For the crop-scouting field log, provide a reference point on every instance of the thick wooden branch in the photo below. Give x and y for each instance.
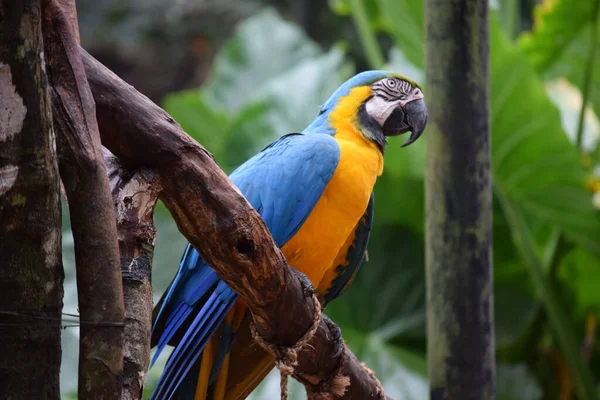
(221, 225)
(135, 194)
(93, 223)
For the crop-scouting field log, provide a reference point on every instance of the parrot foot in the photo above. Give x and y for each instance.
(307, 288)
(337, 335)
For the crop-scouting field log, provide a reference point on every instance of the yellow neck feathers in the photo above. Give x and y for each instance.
(344, 120)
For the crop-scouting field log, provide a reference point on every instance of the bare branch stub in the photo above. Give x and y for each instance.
(93, 223)
(135, 194)
(221, 225)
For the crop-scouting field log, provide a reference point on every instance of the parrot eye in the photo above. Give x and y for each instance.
(392, 89)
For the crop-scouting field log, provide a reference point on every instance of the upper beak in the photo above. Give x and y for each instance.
(416, 119)
(411, 116)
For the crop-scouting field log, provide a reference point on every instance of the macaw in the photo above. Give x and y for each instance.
(314, 191)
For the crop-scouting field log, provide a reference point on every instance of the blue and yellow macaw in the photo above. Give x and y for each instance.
(314, 190)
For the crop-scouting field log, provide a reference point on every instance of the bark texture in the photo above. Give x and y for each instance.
(134, 195)
(31, 274)
(83, 173)
(459, 202)
(222, 226)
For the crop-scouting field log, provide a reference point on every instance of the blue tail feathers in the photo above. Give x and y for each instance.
(198, 302)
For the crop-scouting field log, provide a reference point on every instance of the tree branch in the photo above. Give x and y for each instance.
(219, 222)
(84, 176)
(135, 194)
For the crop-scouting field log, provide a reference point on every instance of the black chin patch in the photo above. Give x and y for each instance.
(371, 128)
(396, 123)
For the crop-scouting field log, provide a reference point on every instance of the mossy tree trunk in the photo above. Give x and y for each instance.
(459, 202)
(31, 274)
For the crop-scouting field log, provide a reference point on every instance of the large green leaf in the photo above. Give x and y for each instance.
(404, 20)
(557, 24)
(580, 273)
(533, 162)
(553, 304)
(560, 42)
(388, 293)
(284, 67)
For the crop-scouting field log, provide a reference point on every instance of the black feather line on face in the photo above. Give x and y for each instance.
(389, 92)
(371, 128)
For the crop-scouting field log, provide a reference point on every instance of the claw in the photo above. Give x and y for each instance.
(307, 287)
(337, 335)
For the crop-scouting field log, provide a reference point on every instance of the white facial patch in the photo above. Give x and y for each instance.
(389, 94)
(380, 109)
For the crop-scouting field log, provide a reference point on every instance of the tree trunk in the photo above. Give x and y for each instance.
(459, 202)
(31, 274)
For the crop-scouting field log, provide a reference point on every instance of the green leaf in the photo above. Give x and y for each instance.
(404, 20)
(557, 25)
(394, 272)
(580, 273)
(559, 44)
(283, 64)
(533, 162)
(244, 64)
(366, 34)
(204, 123)
(523, 238)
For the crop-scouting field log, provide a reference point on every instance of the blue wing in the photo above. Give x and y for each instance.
(355, 255)
(283, 183)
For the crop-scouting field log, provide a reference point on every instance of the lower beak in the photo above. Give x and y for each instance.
(416, 119)
(412, 117)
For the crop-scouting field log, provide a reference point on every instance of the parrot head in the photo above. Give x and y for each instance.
(379, 103)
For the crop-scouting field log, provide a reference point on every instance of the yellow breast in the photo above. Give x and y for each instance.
(314, 249)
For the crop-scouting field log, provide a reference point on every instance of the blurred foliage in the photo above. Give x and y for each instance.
(560, 41)
(269, 79)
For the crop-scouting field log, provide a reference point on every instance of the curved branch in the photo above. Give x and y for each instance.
(218, 221)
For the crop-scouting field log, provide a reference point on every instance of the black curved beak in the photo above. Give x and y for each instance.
(412, 117)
